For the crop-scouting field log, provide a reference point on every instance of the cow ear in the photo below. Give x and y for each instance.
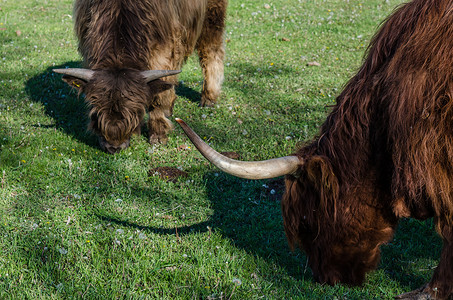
(76, 77)
(74, 82)
(310, 198)
(293, 209)
(320, 173)
(158, 86)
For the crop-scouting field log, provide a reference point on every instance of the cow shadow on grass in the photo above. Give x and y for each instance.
(247, 213)
(67, 108)
(61, 103)
(244, 211)
(187, 92)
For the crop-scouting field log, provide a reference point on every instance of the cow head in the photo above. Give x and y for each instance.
(117, 100)
(340, 230)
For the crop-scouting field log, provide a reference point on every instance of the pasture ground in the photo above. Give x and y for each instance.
(78, 223)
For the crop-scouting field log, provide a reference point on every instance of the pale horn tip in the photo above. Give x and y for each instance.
(245, 169)
(171, 72)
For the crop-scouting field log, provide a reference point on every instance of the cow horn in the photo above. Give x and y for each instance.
(245, 169)
(151, 75)
(84, 74)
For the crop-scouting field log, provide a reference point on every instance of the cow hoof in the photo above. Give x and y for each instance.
(206, 102)
(418, 294)
(158, 139)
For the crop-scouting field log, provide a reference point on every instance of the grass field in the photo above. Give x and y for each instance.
(78, 223)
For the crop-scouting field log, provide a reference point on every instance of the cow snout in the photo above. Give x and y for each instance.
(110, 148)
(114, 149)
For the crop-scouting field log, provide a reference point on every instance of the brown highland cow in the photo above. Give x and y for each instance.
(385, 152)
(122, 41)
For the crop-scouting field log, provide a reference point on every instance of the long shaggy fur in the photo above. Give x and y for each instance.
(384, 152)
(119, 36)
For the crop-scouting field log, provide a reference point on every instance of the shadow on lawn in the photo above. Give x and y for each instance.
(244, 212)
(61, 103)
(249, 215)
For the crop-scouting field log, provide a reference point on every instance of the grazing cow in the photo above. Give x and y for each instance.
(385, 152)
(121, 41)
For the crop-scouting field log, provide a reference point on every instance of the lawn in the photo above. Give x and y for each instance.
(76, 222)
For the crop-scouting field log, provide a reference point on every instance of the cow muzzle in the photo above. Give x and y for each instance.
(110, 148)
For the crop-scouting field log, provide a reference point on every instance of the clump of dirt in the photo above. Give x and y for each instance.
(232, 155)
(167, 173)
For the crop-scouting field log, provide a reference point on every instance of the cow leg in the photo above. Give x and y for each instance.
(211, 52)
(158, 124)
(441, 285)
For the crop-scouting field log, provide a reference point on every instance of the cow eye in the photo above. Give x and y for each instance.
(304, 226)
(94, 121)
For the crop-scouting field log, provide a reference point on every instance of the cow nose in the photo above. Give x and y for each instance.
(113, 149)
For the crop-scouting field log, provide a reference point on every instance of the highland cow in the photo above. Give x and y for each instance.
(121, 43)
(385, 152)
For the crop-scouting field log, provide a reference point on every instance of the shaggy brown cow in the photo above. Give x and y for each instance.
(122, 40)
(385, 152)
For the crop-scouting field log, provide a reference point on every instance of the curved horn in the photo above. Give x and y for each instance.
(245, 169)
(151, 75)
(84, 74)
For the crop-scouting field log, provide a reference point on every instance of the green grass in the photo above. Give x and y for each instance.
(78, 223)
